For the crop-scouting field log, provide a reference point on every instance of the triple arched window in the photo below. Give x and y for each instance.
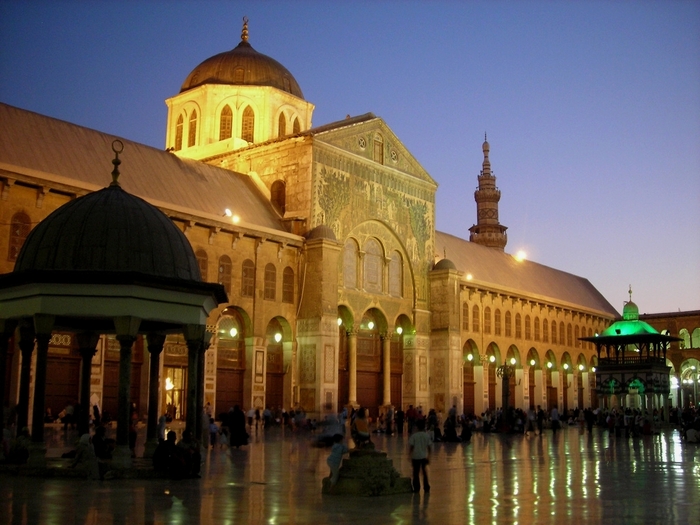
(371, 270)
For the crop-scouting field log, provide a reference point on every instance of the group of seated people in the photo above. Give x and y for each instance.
(178, 460)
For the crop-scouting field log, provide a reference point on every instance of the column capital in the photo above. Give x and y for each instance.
(88, 341)
(127, 326)
(155, 342)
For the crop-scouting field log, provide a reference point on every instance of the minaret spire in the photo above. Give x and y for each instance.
(487, 231)
(244, 31)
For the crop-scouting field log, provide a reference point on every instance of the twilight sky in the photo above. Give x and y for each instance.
(592, 108)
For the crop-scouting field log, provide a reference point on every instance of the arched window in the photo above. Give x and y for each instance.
(226, 123)
(178, 133)
(518, 326)
(537, 328)
(545, 331)
(248, 278)
(695, 338)
(509, 324)
(554, 332)
(278, 195)
(475, 319)
(497, 322)
(378, 149)
(396, 275)
(569, 335)
(528, 328)
(685, 335)
(281, 125)
(562, 334)
(487, 320)
(465, 317)
(577, 334)
(203, 262)
(224, 277)
(248, 124)
(270, 282)
(373, 267)
(20, 226)
(296, 127)
(350, 264)
(288, 285)
(192, 130)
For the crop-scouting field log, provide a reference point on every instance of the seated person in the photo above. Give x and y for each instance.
(103, 446)
(360, 428)
(193, 458)
(170, 459)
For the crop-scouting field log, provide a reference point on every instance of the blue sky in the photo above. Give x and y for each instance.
(592, 108)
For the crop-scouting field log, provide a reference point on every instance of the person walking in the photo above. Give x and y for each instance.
(554, 417)
(420, 446)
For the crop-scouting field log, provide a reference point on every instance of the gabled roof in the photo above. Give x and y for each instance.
(494, 269)
(346, 133)
(41, 147)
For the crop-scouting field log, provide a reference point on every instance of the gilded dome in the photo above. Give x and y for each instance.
(243, 66)
(109, 230)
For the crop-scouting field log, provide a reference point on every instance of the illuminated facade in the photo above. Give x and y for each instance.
(340, 289)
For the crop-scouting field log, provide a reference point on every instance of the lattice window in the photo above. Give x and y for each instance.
(178, 133)
(248, 278)
(528, 328)
(518, 326)
(497, 322)
(577, 334)
(224, 276)
(509, 324)
(487, 320)
(192, 130)
(562, 333)
(248, 124)
(270, 282)
(475, 319)
(465, 317)
(281, 125)
(225, 123)
(554, 332)
(288, 285)
(537, 328)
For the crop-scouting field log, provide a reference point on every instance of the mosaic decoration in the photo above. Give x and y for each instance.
(423, 373)
(307, 365)
(329, 364)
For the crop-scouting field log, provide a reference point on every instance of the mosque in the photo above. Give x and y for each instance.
(339, 290)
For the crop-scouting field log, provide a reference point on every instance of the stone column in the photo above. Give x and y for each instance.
(386, 366)
(87, 345)
(127, 329)
(7, 328)
(194, 335)
(155, 347)
(352, 366)
(26, 346)
(43, 325)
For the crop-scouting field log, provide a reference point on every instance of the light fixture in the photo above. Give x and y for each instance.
(278, 337)
(469, 277)
(169, 384)
(581, 367)
(233, 332)
(370, 325)
(532, 362)
(566, 366)
(593, 369)
(470, 357)
(340, 322)
(520, 255)
(512, 360)
(228, 213)
(549, 364)
(492, 358)
(236, 219)
(399, 330)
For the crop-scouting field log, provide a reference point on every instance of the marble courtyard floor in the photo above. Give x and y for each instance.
(570, 478)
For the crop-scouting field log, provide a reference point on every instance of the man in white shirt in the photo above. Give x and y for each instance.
(420, 446)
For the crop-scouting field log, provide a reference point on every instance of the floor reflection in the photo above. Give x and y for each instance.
(570, 478)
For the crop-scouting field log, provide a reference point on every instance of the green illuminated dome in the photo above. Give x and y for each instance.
(630, 312)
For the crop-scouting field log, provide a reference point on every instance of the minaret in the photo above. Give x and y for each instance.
(488, 231)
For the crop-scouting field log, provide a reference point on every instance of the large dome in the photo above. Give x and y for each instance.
(109, 230)
(243, 66)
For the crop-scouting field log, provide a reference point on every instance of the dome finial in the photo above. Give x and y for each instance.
(117, 148)
(630, 292)
(244, 32)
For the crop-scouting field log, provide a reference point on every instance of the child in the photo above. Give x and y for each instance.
(336, 457)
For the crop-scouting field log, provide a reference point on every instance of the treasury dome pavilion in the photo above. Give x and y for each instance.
(339, 290)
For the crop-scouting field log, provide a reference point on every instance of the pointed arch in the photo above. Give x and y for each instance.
(192, 129)
(248, 125)
(281, 125)
(296, 127)
(226, 123)
(178, 133)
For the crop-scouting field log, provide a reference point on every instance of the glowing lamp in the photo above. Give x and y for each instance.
(492, 358)
(549, 365)
(470, 357)
(233, 332)
(532, 362)
(399, 330)
(512, 360)
(278, 337)
(370, 325)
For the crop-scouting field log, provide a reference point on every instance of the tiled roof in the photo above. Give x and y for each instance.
(498, 270)
(62, 152)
